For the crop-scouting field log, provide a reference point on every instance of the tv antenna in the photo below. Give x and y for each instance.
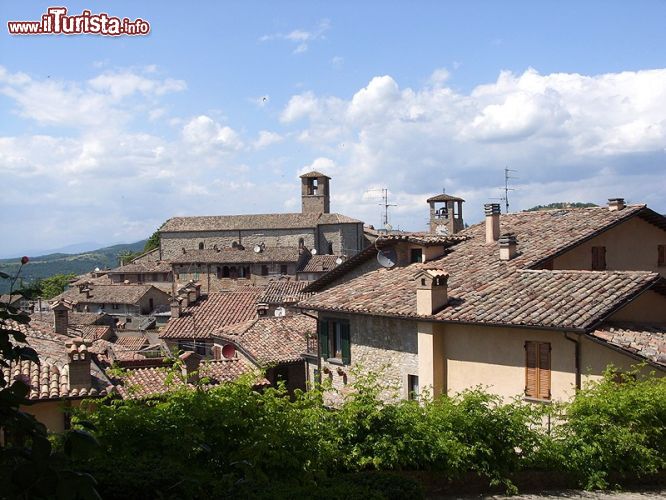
(505, 198)
(385, 207)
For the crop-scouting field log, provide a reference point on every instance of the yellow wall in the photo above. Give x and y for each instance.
(50, 413)
(649, 307)
(630, 246)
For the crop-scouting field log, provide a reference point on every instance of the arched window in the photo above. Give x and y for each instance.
(201, 246)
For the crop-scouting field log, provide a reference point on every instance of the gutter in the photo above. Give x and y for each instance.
(576, 357)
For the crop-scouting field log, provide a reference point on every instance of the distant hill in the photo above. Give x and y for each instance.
(63, 263)
(561, 204)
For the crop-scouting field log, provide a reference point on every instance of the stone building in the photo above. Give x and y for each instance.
(279, 239)
(532, 304)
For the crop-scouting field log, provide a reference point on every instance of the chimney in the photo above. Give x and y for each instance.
(191, 295)
(262, 309)
(61, 317)
(190, 369)
(175, 308)
(197, 290)
(79, 363)
(508, 246)
(431, 291)
(615, 204)
(492, 222)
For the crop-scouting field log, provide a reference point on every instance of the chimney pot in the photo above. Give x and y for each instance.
(431, 291)
(79, 363)
(492, 211)
(61, 318)
(175, 308)
(508, 246)
(190, 369)
(615, 204)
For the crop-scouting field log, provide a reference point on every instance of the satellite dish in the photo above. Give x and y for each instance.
(257, 248)
(388, 227)
(338, 261)
(280, 312)
(386, 258)
(228, 351)
(97, 269)
(313, 251)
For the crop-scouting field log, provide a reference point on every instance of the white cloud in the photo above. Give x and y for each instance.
(301, 38)
(205, 132)
(267, 138)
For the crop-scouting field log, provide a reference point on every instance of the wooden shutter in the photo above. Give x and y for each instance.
(537, 370)
(598, 258)
(217, 352)
(323, 339)
(531, 370)
(544, 371)
(346, 344)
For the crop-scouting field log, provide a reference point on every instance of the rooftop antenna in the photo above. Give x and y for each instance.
(505, 198)
(385, 207)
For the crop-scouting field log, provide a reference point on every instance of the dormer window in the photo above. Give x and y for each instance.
(415, 255)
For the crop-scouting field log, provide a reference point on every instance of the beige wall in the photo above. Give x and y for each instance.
(50, 413)
(631, 245)
(649, 307)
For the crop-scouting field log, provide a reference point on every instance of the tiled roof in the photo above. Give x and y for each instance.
(132, 342)
(255, 221)
(313, 175)
(233, 255)
(90, 332)
(146, 382)
(142, 267)
(14, 299)
(283, 291)
(481, 286)
(646, 342)
(444, 197)
(50, 378)
(272, 339)
(83, 318)
(423, 239)
(207, 316)
(319, 264)
(108, 294)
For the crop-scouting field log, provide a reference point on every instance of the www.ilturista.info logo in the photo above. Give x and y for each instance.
(57, 22)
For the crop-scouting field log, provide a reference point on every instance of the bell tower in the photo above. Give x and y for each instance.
(446, 214)
(315, 194)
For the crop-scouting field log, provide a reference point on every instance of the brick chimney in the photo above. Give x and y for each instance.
(431, 291)
(175, 308)
(61, 317)
(79, 363)
(508, 246)
(492, 222)
(615, 204)
(190, 369)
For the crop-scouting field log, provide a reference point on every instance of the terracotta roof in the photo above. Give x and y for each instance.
(319, 264)
(50, 378)
(142, 267)
(91, 332)
(283, 291)
(423, 239)
(646, 342)
(272, 339)
(108, 294)
(131, 342)
(443, 197)
(15, 298)
(313, 175)
(255, 221)
(146, 382)
(233, 255)
(207, 316)
(83, 318)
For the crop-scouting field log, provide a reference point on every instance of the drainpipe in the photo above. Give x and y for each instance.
(576, 357)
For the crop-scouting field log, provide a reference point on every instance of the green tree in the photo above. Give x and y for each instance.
(54, 285)
(561, 205)
(154, 241)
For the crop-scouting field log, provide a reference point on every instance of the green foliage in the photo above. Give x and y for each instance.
(615, 428)
(232, 441)
(54, 285)
(560, 205)
(154, 241)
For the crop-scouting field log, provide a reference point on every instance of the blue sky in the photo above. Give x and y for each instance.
(221, 107)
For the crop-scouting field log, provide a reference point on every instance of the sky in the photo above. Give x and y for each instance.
(224, 104)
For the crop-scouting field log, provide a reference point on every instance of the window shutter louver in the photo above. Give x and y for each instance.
(346, 344)
(544, 371)
(323, 339)
(531, 370)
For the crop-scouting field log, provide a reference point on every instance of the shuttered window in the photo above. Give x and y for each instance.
(661, 255)
(598, 258)
(334, 340)
(537, 370)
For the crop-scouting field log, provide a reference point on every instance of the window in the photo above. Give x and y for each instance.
(225, 271)
(413, 386)
(334, 340)
(415, 255)
(200, 347)
(330, 248)
(537, 370)
(661, 255)
(598, 258)
(283, 269)
(264, 270)
(116, 306)
(201, 246)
